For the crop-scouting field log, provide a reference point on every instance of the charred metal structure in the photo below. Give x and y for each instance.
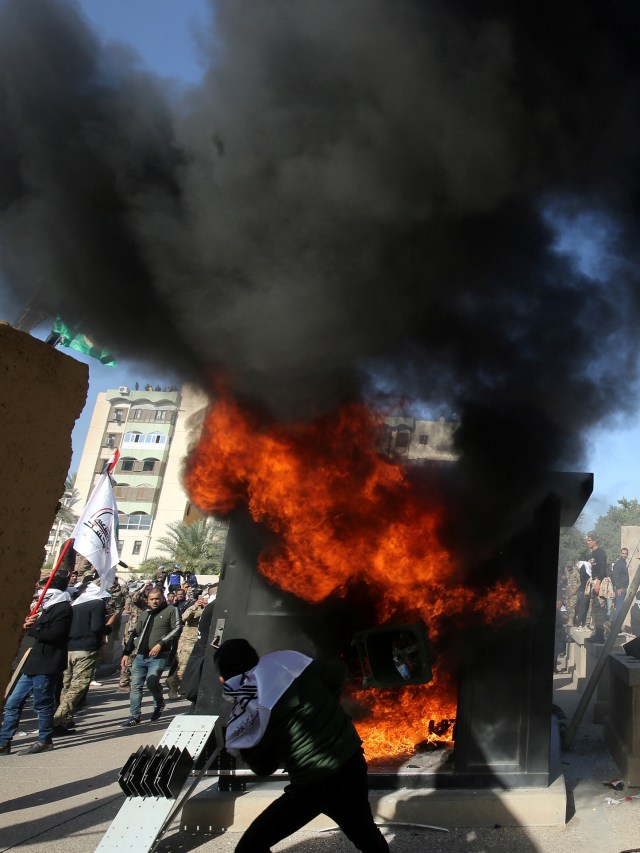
(503, 734)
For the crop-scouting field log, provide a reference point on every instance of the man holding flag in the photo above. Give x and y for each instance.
(94, 537)
(46, 661)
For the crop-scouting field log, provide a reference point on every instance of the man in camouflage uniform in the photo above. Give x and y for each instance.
(134, 602)
(190, 619)
(86, 635)
(572, 587)
(115, 604)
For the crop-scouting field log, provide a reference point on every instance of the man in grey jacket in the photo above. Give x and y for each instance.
(154, 637)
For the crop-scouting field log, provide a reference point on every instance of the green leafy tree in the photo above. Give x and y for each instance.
(66, 518)
(607, 528)
(198, 546)
(147, 569)
(572, 545)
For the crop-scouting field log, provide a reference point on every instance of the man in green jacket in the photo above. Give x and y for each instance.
(154, 638)
(286, 714)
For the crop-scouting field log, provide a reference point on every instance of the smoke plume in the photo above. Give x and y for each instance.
(357, 188)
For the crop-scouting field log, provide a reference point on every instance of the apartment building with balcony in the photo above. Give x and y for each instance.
(153, 429)
(418, 442)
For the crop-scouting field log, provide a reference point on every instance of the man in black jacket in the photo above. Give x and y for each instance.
(154, 637)
(286, 714)
(47, 660)
(620, 578)
(88, 630)
(598, 574)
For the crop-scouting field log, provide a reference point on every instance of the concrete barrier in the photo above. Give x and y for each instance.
(622, 725)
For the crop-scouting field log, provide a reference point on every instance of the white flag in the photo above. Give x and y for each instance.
(95, 533)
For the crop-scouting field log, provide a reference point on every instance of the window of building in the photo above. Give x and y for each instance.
(424, 439)
(148, 465)
(137, 414)
(402, 439)
(117, 415)
(126, 465)
(135, 521)
(111, 440)
(137, 546)
(161, 415)
(134, 439)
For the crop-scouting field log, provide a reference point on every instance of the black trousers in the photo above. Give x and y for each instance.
(342, 796)
(582, 608)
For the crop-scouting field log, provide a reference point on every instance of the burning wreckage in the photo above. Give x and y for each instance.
(334, 550)
(422, 196)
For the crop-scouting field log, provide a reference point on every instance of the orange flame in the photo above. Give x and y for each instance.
(393, 721)
(343, 515)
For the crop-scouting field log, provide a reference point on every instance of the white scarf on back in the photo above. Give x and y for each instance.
(91, 593)
(54, 596)
(254, 694)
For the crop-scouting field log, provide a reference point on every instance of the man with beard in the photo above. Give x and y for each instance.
(47, 660)
(154, 636)
(286, 714)
(620, 578)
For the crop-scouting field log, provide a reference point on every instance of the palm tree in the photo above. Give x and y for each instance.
(198, 546)
(66, 518)
(69, 499)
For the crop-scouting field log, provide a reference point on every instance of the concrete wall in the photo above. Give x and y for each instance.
(630, 538)
(42, 393)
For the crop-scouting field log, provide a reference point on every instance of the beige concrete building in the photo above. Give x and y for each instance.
(418, 441)
(153, 429)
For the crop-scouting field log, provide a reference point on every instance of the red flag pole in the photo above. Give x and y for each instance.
(66, 547)
(34, 610)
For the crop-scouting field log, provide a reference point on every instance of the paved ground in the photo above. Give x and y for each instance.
(65, 800)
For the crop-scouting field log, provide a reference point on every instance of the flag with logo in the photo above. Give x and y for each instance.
(64, 336)
(95, 534)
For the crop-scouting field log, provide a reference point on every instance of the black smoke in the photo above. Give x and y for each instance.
(357, 188)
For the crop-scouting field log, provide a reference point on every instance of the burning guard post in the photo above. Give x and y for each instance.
(495, 680)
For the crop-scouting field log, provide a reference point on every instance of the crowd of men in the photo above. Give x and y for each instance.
(591, 592)
(65, 638)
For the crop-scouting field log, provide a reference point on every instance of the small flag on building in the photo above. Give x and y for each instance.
(95, 533)
(62, 335)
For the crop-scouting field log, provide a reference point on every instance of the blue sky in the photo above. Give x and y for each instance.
(164, 32)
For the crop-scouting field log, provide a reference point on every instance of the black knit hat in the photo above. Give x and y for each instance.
(60, 581)
(235, 657)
